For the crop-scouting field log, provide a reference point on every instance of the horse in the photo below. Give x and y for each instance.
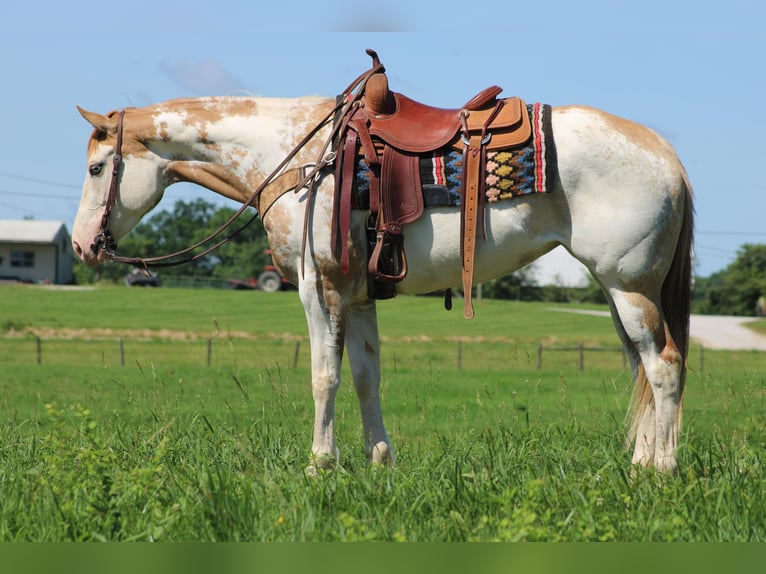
(621, 203)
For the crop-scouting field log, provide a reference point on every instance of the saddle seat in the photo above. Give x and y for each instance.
(415, 127)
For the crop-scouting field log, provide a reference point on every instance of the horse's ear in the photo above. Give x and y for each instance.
(101, 123)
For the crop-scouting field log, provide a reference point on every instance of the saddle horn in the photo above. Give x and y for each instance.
(378, 98)
(374, 55)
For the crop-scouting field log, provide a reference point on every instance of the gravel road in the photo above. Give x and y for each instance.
(725, 332)
(712, 331)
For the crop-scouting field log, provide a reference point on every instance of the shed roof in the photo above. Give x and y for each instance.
(29, 230)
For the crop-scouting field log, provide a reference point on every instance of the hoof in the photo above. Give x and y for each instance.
(321, 463)
(382, 454)
(667, 465)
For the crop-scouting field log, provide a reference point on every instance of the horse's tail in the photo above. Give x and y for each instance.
(676, 307)
(677, 288)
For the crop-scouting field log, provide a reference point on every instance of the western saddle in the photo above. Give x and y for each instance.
(391, 131)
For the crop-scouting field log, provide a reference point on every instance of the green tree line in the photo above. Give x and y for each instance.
(735, 290)
(739, 289)
(244, 256)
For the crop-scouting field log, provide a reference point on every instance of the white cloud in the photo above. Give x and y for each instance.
(204, 77)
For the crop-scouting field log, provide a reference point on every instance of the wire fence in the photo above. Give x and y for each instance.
(580, 349)
(221, 351)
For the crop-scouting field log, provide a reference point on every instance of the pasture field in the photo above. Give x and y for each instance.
(200, 428)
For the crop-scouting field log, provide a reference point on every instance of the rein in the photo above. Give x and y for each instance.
(349, 99)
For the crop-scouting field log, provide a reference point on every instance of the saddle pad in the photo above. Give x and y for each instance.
(516, 171)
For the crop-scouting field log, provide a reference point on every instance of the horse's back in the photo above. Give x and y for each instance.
(591, 134)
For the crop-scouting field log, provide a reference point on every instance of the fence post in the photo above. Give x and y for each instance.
(459, 355)
(295, 353)
(702, 359)
(39, 345)
(395, 363)
(209, 350)
(581, 357)
(539, 356)
(122, 353)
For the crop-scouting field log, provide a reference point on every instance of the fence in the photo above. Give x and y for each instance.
(202, 351)
(208, 352)
(580, 349)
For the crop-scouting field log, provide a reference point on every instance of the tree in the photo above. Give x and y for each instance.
(519, 285)
(165, 232)
(736, 289)
(592, 293)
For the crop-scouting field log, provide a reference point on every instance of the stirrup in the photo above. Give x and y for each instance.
(388, 261)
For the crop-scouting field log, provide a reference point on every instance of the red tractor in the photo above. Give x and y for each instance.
(271, 280)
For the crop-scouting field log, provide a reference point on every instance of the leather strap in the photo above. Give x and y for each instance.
(104, 239)
(287, 181)
(486, 137)
(471, 175)
(342, 209)
(474, 194)
(360, 124)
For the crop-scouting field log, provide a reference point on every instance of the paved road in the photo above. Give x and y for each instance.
(712, 331)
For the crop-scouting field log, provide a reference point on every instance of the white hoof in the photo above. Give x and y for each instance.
(382, 453)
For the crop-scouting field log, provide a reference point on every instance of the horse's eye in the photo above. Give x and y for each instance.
(96, 169)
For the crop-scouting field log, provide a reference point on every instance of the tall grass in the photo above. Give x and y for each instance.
(150, 465)
(167, 448)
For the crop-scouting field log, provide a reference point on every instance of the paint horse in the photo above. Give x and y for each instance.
(620, 202)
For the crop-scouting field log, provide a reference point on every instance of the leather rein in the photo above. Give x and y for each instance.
(347, 102)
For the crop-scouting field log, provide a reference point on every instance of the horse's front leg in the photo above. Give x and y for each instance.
(326, 324)
(363, 346)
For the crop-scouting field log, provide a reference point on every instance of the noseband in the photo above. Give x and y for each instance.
(104, 240)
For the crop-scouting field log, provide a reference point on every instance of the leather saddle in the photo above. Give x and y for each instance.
(392, 131)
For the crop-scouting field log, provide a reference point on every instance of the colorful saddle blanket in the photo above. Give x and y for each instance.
(521, 170)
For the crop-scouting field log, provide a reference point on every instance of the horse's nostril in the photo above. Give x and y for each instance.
(77, 248)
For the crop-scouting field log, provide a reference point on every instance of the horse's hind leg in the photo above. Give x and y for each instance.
(643, 425)
(363, 348)
(657, 413)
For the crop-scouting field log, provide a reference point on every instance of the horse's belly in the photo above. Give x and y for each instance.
(516, 234)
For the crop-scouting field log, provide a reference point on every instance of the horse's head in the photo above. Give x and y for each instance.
(121, 185)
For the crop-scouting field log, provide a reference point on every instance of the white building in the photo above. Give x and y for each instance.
(35, 251)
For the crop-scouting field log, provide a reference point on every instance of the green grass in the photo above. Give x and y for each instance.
(168, 448)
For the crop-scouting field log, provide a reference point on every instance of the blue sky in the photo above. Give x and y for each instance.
(695, 72)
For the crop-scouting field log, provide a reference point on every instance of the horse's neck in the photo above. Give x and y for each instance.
(230, 145)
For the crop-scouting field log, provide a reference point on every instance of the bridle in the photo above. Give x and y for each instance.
(104, 240)
(311, 173)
